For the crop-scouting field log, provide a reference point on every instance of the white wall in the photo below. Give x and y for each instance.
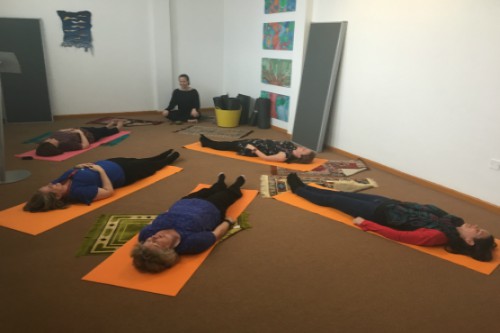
(418, 88)
(243, 51)
(131, 58)
(198, 45)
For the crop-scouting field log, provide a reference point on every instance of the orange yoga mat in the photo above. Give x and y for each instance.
(36, 223)
(482, 267)
(231, 154)
(117, 269)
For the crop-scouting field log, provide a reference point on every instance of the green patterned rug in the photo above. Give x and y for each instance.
(112, 231)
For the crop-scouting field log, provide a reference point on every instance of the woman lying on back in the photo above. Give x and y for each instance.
(406, 222)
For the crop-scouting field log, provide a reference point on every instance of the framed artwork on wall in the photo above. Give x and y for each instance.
(278, 36)
(279, 6)
(277, 72)
(76, 28)
(280, 104)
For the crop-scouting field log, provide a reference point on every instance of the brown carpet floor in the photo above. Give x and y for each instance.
(293, 271)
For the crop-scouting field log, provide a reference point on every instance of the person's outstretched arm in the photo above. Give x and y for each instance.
(421, 236)
(223, 228)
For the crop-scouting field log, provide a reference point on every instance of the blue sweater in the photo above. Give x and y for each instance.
(86, 182)
(194, 219)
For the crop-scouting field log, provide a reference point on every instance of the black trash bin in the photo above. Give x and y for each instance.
(245, 108)
(262, 112)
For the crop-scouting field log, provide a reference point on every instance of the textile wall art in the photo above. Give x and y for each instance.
(279, 6)
(280, 105)
(278, 35)
(76, 28)
(277, 72)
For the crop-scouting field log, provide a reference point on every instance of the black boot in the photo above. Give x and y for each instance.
(172, 157)
(204, 140)
(220, 184)
(162, 155)
(294, 181)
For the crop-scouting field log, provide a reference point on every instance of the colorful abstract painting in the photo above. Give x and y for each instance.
(280, 104)
(279, 6)
(278, 35)
(76, 28)
(277, 72)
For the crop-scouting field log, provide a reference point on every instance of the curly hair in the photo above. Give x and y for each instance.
(42, 202)
(47, 149)
(151, 260)
(482, 250)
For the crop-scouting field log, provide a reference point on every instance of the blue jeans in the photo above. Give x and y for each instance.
(354, 204)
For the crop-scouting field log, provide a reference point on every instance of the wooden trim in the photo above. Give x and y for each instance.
(465, 197)
(119, 114)
(420, 181)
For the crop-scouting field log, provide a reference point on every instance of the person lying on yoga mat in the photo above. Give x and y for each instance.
(187, 101)
(191, 225)
(268, 150)
(406, 222)
(70, 139)
(88, 182)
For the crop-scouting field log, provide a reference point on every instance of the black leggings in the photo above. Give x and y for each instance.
(101, 132)
(138, 168)
(220, 195)
(223, 145)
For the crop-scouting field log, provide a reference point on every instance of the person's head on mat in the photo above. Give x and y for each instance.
(70, 139)
(88, 182)
(268, 150)
(48, 147)
(191, 225)
(408, 222)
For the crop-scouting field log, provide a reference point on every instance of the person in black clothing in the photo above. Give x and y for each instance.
(268, 150)
(184, 104)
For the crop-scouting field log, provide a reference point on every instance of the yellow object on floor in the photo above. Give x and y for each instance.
(227, 118)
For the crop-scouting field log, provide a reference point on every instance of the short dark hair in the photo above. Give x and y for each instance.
(482, 249)
(306, 158)
(47, 149)
(185, 76)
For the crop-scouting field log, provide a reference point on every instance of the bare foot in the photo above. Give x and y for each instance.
(111, 123)
(119, 124)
